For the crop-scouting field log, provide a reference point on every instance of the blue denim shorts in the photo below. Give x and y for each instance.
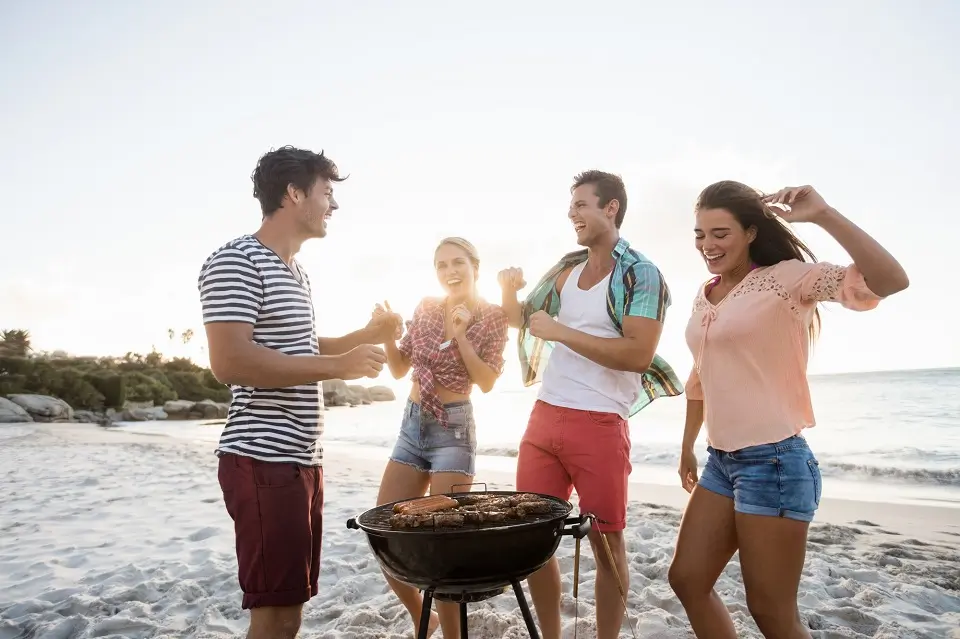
(431, 448)
(776, 480)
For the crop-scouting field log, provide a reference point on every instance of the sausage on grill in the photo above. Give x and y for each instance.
(423, 505)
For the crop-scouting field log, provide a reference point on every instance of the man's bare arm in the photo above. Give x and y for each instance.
(236, 359)
(512, 307)
(341, 345)
(633, 352)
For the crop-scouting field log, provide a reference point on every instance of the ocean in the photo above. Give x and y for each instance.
(885, 436)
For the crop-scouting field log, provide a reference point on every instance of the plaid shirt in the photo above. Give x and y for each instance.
(433, 365)
(637, 289)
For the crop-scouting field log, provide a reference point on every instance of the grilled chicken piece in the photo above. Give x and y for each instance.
(533, 507)
(496, 503)
(448, 520)
(524, 497)
(411, 521)
(477, 517)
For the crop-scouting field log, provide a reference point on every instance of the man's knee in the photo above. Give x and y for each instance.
(615, 544)
(275, 622)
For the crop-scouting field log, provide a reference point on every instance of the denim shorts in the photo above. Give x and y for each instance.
(775, 480)
(431, 448)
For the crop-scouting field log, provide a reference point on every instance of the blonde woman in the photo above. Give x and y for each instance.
(452, 344)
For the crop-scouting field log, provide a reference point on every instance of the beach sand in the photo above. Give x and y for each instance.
(109, 534)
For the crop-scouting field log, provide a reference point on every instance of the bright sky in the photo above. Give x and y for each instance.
(130, 131)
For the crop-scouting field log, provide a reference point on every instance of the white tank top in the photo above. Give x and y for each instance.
(573, 381)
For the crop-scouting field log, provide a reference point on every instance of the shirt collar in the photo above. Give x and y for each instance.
(621, 248)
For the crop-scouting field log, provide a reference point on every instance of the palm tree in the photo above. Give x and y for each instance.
(15, 343)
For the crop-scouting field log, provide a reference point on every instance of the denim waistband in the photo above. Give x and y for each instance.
(413, 406)
(795, 442)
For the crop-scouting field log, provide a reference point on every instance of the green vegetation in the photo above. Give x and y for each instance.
(97, 383)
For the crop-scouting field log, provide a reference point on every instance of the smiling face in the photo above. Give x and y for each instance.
(455, 271)
(721, 241)
(591, 222)
(313, 209)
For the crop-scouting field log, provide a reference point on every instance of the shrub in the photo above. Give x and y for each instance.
(88, 383)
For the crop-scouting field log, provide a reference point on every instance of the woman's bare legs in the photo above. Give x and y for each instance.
(401, 481)
(705, 544)
(449, 612)
(772, 552)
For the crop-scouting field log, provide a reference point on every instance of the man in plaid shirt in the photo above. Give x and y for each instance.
(589, 331)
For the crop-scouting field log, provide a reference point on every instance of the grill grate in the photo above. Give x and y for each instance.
(379, 518)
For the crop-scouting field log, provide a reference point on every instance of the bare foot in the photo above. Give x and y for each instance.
(431, 626)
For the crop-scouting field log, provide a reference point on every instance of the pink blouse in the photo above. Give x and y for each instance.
(751, 349)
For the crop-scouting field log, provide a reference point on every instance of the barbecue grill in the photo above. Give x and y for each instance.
(473, 561)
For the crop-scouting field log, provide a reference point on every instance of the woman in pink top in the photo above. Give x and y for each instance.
(750, 332)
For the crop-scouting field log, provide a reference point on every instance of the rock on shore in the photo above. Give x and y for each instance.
(44, 408)
(337, 392)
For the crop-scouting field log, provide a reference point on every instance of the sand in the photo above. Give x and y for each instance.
(107, 534)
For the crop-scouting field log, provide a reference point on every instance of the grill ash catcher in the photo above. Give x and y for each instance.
(472, 551)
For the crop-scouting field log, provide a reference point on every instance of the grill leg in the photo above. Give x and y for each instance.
(463, 620)
(425, 614)
(525, 610)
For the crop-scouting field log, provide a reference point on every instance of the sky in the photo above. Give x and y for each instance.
(129, 132)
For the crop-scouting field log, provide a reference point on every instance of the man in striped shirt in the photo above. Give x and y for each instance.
(589, 331)
(259, 318)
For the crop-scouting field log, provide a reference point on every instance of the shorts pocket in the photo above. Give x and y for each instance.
(274, 475)
(607, 420)
(814, 467)
(462, 429)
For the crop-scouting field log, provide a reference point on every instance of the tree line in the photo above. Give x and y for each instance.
(98, 383)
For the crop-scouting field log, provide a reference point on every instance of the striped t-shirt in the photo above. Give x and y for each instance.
(244, 281)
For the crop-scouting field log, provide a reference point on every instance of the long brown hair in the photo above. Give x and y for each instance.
(775, 241)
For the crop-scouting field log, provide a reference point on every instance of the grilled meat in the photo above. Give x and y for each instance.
(448, 520)
(440, 511)
(533, 507)
(424, 505)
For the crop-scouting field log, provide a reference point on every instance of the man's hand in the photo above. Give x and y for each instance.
(511, 279)
(365, 360)
(384, 324)
(545, 327)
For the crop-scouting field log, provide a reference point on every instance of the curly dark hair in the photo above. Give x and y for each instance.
(279, 168)
(607, 187)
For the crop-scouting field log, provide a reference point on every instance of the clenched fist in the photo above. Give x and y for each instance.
(545, 327)
(365, 360)
(460, 319)
(511, 279)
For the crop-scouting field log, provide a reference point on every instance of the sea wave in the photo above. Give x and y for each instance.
(949, 476)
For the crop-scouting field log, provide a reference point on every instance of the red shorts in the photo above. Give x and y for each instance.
(566, 448)
(277, 510)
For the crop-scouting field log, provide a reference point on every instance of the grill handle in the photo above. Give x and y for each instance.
(577, 527)
(476, 483)
(352, 524)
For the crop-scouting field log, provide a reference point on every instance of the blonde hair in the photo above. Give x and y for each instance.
(461, 243)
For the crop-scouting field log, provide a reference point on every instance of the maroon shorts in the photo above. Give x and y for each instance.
(566, 448)
(277, 511)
